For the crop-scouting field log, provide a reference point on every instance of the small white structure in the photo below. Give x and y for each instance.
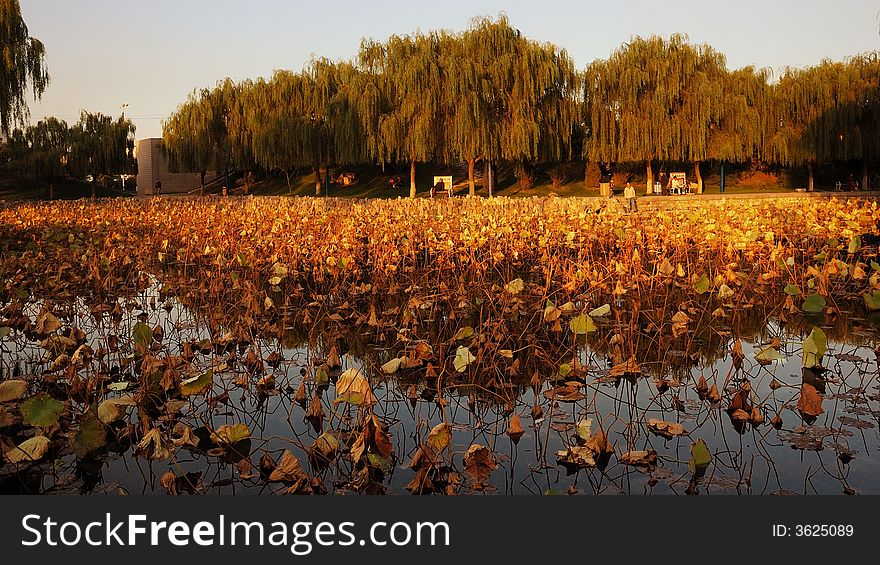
(678, 183)
(153, 166)
(447, 184)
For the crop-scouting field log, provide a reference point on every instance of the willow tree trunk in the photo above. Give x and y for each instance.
(201, 183)
(486, 178)
(247, 182)
(810, 177)
(649, 190)
(699, 177)
(51, 191)
(489, 178)
(865, 175)
(317, 181)
(471, 188)
(412, 179)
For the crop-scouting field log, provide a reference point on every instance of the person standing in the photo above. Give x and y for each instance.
(851, 183)
(158, 187)
(630, 194)
(664, 182)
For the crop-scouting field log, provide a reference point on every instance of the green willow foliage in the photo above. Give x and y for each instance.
(656, 99)
(400, 99)
(22, 64)
(830, 112)
(510, 98)
(669, 100)
(293, 120)
(485, 93)
(739, 132)
(490, 94)
(197, 132)
(42, 149)
(100, 145)
(95, 145)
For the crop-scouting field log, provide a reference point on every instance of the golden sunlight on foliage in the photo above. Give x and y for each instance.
(167, 326)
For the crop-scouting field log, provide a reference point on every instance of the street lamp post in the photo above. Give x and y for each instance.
(123, 106)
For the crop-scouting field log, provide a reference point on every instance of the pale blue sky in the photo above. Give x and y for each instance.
(151, 53)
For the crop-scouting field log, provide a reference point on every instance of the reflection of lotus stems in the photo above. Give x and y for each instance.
(427, 278)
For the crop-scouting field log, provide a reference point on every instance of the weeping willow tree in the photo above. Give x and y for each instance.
(862, 138)
(101, 146)
(739, 133)
(212, 129)
(348, 140)
(284, 139)
(235, 100)
(655, 99)
(195, 137)
(825, 113)
(330, 103)
(306, 119)
(43, 150)
(293, 120)
(559, 107)
(22, 66)
(510, 97)
(475, 111)
(401, 98)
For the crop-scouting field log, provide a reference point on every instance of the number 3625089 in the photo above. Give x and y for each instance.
(813, 530)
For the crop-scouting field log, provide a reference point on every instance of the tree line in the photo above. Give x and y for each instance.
(94, 146)
(485, 95)
(491, 94)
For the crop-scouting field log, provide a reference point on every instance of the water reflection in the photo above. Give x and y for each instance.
(769, 426)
